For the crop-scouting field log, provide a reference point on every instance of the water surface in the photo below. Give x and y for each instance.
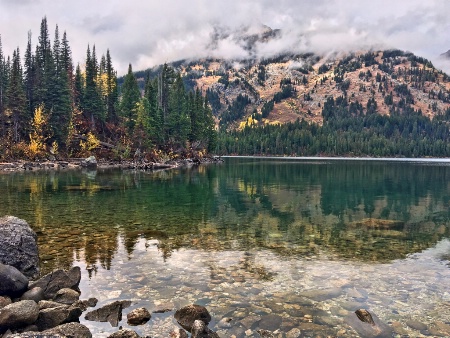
(271, 243)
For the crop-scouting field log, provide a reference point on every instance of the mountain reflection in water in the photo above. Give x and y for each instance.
(327, 235)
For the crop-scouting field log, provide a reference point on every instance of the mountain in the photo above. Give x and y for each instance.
(445, 55)
(291, 87)
(372, 103)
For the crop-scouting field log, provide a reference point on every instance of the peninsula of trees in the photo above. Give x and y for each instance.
(48, 106)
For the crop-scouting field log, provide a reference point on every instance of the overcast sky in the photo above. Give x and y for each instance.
(149, 32)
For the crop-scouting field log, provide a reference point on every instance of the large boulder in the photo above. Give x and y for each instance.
(52, 317)
(13, 282)
(186, 316)
(18, 246)
(57, 280)
(19, 314)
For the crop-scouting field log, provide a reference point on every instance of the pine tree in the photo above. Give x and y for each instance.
(30, 76)
(130, 97)
(44, 68)
(16, 102)
(3, 85)
(155, 111)
(112, 97)
(92, 104)
(61, 94)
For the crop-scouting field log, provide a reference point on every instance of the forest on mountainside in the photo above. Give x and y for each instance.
(50, 108)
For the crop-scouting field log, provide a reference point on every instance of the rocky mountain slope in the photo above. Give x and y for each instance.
(291, 87)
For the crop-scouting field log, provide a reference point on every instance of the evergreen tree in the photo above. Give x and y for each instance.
(61, 94)
(16, 106)
(3, 86)
(155, 111)
(130, 97)
(112, 96)
(30, 76)
(92, 104)
(44, 68)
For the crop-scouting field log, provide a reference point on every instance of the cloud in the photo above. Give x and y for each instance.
(146, 33)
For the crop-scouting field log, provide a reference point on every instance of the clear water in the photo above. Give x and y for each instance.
(270, 243)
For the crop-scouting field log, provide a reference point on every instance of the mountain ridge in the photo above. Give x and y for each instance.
(289, 87)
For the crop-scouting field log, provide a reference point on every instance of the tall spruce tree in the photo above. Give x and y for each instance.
(112, 97)
(61, 94)
(130, 97)
(16, 107)
(3, 84)
(92, 104)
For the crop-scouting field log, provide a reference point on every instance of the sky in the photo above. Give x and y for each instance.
(150, 32)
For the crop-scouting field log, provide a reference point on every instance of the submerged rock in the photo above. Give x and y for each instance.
(369, 326)
(186, 316)
(13, 282)
(18, 246)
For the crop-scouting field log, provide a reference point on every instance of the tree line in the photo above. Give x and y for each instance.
(347, 130)
(47, 105)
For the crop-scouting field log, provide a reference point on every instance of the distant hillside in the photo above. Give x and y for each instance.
(292, 87)
(377, 103)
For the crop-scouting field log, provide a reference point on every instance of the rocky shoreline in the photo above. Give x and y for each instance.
(92, 163)
(51, 306)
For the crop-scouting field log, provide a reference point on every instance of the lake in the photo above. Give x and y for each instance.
(270, 243)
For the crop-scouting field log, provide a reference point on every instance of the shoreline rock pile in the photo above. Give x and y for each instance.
(91, 163)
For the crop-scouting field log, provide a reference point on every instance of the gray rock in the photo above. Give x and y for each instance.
(124, 333)
(374, 328)
(225, 322)
(416, 325)
(16, 315)
(52, 317)
(66, 296)
(322, 295)
(111, 313)
(186, 316)
(84, 304)
(57, 280)
(13, 282)
(270, 322)
(69, 330)
(18, 246)
(294, 333)
(36, 294)
(90, 162)
(47, 304)
(4, 301)
(138, 316)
